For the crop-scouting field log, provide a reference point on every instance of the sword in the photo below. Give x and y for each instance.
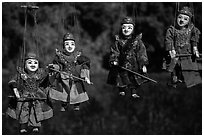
(24, 99)
(71, 75)
(139, 74)
(185, 55)
(29, 7)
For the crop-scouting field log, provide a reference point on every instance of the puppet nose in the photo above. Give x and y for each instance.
(181, 21)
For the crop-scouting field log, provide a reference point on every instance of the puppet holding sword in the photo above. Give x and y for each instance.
(128, 60)
(68, 73)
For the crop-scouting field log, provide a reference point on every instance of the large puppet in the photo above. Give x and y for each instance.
(181, 44)
(69, 73)
(29, 106)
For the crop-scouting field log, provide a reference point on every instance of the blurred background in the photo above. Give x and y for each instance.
(160, 110)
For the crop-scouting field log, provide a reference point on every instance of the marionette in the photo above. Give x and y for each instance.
(128, 60)
(29, 105)
(181, 44)
(69, 73)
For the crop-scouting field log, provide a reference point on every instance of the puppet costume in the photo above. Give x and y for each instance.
(183, 41)
(77, 65)
(30, 85)
(65, 86)
(128, 52)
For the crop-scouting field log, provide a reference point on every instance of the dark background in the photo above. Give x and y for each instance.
(161, 110)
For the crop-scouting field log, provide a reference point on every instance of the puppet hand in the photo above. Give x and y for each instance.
(144, 69)
(195, 52)
(24, 76)
(16, 93)
(51, 66)
(115, 63)
(69, 75)
(172, 53)
(87, 80)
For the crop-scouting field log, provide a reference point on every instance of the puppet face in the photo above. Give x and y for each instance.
(32, 65)
(127, 29)
(183, 20)
(69, 45)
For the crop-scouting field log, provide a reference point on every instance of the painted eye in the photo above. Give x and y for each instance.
(72, 43)
(130, 27)
(185, 18)
(35, 62)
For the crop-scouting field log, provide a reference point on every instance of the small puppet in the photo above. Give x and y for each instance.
(70, 70)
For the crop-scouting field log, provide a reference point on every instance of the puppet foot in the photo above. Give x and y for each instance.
(135, 95)
(173, 85)
(35, 130)
(22, 131)
(122, 93)
(63, 106)
(62, 109)
(179, 81)
(76, 108)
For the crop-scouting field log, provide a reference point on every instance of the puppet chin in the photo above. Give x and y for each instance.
(70, 50)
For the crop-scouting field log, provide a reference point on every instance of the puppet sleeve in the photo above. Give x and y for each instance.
(56, 63)
(114, 51)
(195, 36)
(85, 66)
(13, 82)
(142, 54)
(169, 40)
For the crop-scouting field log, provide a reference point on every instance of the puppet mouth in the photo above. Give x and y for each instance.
(126, 33)
(70, 48)
(32, 67)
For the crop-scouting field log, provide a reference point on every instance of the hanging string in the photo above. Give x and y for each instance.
(22, 48)
(175, 18)
(175, 14)
(120, 16)
(134, 12)
(193, 12)
(24, 39)
(61, 26)
(64, 27)
(76, 25)
(135, 16)
(36, 32)
(36, 37)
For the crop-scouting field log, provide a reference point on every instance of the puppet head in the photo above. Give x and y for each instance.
(69, 42)
(127, 26)
(184, 17)
(31, 62)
